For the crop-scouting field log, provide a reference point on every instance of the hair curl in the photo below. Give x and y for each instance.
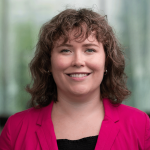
(113, 86)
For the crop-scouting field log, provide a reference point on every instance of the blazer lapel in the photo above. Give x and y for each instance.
(42, 139)
(109, 128)
(107, 135)
(45, 132)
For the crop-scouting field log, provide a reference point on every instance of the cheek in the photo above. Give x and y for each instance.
(97, 64)
(97, 68)
(59, 63)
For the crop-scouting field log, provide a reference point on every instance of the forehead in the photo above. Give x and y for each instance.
(77, 36)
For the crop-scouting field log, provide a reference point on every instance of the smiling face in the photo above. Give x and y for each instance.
(78, 67)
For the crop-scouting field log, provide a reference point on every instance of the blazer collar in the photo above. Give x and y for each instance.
(111, 110)
(45, 114)
(110, 126)
(107, 135)
(45, 132)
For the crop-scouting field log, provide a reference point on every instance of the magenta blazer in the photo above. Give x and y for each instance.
(123, 128)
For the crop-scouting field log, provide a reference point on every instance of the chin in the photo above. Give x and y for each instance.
(80, 92)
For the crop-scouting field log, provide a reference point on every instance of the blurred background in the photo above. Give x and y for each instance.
(20, 22)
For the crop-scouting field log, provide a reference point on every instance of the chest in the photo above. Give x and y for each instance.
(73, 130)
(110, 137)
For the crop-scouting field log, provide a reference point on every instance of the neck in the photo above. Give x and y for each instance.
(79, 106)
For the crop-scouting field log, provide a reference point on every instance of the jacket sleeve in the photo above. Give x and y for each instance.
(147, 134)
(5, 137)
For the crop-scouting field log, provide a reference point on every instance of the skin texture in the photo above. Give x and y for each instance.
(78, 101)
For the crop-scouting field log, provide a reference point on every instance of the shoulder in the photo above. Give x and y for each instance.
(128, 116)
(17, 118)
(123, 112)
(22, 119)
(20, 125)
(30, 116)
(14, 125)
(128, 112)
(136, 122)
(134, 119)
(133, 125)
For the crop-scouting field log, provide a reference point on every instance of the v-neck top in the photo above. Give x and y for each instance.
(86, 143)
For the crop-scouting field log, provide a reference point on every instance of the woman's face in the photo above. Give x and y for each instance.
(78, 67)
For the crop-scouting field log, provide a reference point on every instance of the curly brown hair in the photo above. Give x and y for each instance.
(113, 86)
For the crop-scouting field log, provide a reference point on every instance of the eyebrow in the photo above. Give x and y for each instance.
(84, 45)
(67, 45)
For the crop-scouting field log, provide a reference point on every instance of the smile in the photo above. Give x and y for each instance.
(78, 75)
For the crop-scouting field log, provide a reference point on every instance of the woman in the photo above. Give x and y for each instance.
(78, 86)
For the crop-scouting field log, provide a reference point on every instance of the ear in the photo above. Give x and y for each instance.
(50, 68)
(105, 68)
(49, 71)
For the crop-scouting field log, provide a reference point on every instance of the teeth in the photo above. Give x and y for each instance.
(78, 75)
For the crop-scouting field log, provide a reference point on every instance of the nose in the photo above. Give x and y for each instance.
(78, 60)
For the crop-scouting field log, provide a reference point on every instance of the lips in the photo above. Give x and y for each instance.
(78, 75)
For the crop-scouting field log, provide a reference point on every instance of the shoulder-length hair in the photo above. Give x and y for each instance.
(43, 89)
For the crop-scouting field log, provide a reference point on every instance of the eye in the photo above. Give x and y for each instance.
(90, 50)
(65, 51)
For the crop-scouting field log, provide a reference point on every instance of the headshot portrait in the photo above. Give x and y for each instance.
(78, 90)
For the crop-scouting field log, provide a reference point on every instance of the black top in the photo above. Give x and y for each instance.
(87, 143)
